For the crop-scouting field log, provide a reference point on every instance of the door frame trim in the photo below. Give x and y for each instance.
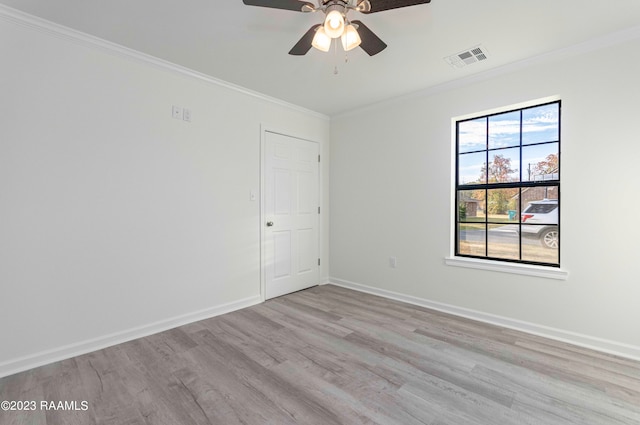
(264, 129)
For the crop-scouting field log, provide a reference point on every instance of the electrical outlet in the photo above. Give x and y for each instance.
(393, 262)
(176, 112)
(186, 114)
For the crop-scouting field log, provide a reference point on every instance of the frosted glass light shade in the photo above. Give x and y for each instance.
(350, 38)
(321, 40)
(334, 24)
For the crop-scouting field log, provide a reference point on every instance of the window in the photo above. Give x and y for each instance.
(508, 186)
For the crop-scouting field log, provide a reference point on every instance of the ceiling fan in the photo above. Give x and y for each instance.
(336, 24)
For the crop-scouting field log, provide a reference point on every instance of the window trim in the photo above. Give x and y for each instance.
(551, 271)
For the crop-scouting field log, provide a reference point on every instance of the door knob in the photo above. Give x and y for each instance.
(269, 223)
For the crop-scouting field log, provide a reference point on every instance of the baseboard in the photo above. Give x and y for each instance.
(61, 353)
(599, 344)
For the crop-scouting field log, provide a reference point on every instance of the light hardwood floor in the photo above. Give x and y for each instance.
(329, 355)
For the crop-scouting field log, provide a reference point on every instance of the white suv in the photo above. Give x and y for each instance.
(544, 214)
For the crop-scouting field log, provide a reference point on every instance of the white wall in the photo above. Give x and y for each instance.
(116, 219)
(391, 196)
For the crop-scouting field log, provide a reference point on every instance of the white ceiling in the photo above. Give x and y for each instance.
(248, 46)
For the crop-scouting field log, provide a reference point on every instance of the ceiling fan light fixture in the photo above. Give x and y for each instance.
(334, 22)
(321, 40)
(350, 38)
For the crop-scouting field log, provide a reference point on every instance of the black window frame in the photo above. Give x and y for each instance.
(520, 185)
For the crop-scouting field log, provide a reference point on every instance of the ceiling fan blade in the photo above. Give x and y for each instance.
(298, 6)
(382, 5)
(371, 43)
(304, 44)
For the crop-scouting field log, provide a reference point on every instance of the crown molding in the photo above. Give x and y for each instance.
(62, 32)
(56, 30)
(608, 40)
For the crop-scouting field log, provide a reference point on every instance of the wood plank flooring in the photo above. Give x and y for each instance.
(329, 355)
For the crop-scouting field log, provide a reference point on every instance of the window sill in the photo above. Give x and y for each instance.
(521, 269)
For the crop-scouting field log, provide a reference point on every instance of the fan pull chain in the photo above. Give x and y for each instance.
(346, 54)
(335, 55)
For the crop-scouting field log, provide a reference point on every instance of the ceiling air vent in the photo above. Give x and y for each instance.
(467, 57)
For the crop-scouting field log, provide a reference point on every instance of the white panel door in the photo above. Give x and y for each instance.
(290, 214)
